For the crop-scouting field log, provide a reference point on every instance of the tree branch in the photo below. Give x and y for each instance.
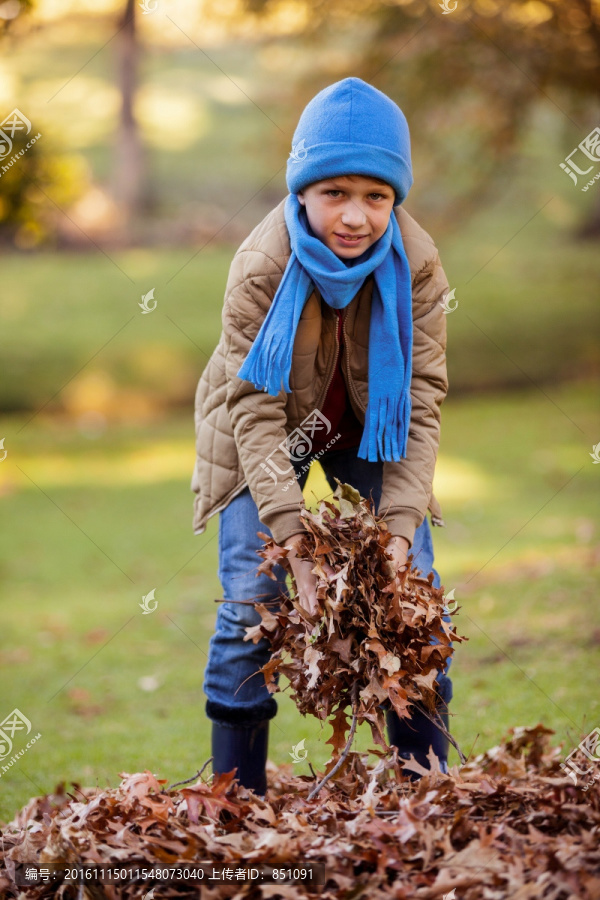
(315, 790)
(193, 778)
(436, 720)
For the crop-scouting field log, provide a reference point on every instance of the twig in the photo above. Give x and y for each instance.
(435, 720)
(472, 745)
(315, 790)
(78, 790)
(193, 778)
(396, 812)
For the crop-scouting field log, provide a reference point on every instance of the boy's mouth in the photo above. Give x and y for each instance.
(349, 240)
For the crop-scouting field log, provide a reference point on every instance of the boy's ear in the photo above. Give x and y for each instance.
(301, 200)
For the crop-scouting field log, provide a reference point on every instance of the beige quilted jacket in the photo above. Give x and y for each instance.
(245, 437)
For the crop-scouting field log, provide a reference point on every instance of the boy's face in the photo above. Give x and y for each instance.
(348, 213)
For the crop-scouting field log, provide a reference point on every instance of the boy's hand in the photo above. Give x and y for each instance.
(397, 550)
(306, 582)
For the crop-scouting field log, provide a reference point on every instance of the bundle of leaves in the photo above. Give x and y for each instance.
(371, 644)
(509, 823)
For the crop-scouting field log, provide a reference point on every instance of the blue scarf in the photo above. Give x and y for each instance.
(269, 361)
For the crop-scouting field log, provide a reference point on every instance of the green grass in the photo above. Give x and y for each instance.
(95, 523)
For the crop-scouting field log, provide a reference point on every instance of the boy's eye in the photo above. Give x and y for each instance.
(334, 193)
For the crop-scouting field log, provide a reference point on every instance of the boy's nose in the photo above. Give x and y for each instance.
(353, 216)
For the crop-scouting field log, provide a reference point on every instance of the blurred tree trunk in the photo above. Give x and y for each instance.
(129, 175)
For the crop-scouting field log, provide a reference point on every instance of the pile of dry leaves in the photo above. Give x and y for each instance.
(509, 825)
(376, 637)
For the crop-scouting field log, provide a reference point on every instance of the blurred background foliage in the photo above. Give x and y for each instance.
(169, 126)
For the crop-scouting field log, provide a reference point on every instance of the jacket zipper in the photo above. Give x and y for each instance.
(337, 353)
(349, 381)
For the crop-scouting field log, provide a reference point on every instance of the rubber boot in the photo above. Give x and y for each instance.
(243, 748)
(416, 735)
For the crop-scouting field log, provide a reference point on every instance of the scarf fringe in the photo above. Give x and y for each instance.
(268, 363)
(385, 435)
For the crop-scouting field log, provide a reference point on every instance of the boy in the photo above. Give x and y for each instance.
(334, 343)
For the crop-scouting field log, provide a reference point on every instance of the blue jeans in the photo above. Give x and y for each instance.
(235, 690)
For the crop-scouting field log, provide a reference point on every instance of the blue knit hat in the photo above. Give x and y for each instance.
(351, 128)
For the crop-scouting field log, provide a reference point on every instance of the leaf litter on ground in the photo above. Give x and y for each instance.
(507, 824)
